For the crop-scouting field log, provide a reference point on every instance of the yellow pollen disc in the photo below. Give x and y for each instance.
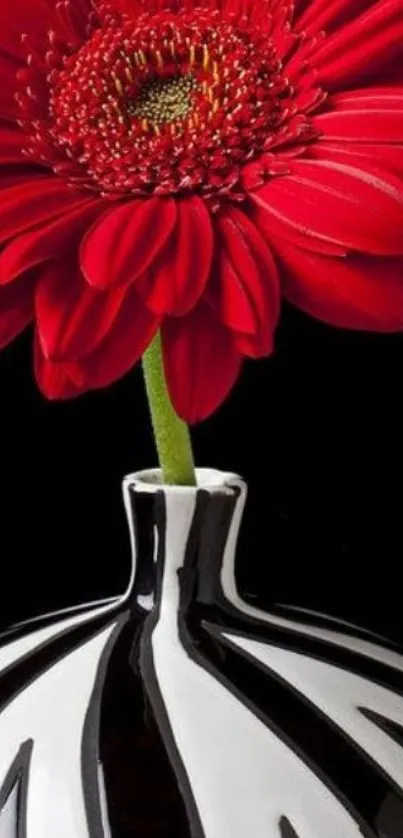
(163, 101)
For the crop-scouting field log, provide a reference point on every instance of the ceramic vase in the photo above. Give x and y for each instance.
(273, 725)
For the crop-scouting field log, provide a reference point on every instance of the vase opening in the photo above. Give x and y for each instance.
(206, 478)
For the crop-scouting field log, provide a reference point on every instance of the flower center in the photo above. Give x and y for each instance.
(163, 100)
(166, 104)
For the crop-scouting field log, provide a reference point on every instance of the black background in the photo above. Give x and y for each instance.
(316, 431)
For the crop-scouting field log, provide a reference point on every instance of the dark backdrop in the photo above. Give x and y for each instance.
(316, 431)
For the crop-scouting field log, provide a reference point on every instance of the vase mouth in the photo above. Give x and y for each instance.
(209, 479)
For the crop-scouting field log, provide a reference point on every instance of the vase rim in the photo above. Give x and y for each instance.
(209, 479)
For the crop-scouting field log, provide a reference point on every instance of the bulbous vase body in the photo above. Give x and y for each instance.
(271, 726)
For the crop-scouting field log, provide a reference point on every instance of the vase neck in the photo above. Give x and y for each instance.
(183, 533)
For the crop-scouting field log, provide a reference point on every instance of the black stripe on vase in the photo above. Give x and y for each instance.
(20, 630)
(14, 792)
(379, 672)
(147, 669)
(390, 818)
(90, 746)
(306, 616)
(392, 729)
(141, 522)
(286, 828)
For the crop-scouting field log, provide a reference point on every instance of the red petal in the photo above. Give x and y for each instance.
(364, 118)
(54, 380)
(176, 280)
(48, 242)
(252, 346)
(388, 158)
(72, 318)
(11, 143)
(357, 292)
(201, 363)
(333, 202)
(126, 240)
(9, 109)
(72, 17)
(363, 48)
(364, 97)
(16, 174)
(32, 203)
(16, 308)
(244, 290)
(126, 342)
(270, 16)
(393, 74)
(35, 17)
(328, 14)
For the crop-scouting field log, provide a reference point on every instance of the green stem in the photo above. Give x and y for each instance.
(171, 434)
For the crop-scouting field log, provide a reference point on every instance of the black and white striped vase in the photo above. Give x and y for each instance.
(275, 726)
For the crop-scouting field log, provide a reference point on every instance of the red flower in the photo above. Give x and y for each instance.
(174, 165)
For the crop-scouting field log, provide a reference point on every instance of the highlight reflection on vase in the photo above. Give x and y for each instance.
(180, 710)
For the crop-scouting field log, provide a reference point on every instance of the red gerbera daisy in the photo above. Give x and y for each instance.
(175, 165)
